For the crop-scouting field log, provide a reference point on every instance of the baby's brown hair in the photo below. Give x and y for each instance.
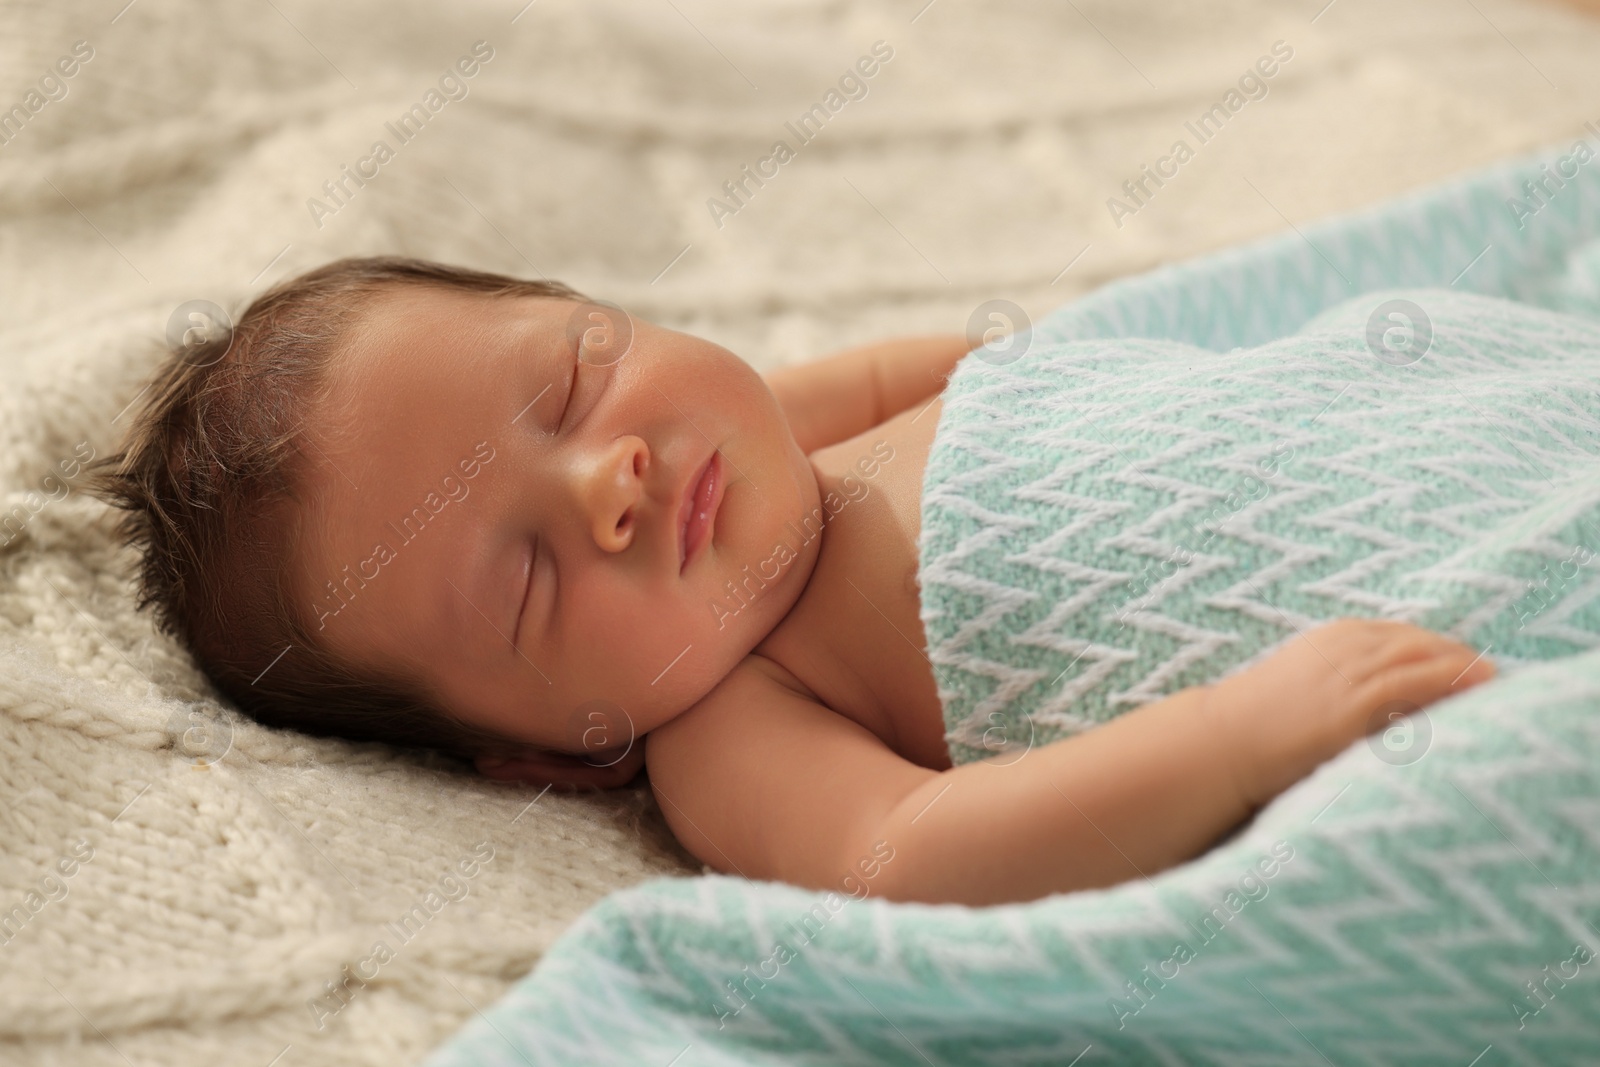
(206, 480)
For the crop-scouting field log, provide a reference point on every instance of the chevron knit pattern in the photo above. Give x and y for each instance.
(1108, 521)
(1430, 896)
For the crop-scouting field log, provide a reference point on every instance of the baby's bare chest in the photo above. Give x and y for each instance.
(855, 636)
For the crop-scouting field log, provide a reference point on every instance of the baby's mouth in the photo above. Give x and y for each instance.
(697, 514)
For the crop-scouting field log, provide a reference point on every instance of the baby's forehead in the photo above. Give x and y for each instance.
(420, 314)
(412, 339)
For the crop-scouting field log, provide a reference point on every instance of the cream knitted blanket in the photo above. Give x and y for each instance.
(179, 886)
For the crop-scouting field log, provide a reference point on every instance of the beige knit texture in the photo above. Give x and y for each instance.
(222, 895)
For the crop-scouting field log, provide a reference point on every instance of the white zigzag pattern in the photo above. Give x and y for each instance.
(1074, 406)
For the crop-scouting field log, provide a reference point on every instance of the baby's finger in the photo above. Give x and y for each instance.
(1411, 644)
(1422, 682)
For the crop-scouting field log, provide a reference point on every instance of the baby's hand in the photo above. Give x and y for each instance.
(1307, 702)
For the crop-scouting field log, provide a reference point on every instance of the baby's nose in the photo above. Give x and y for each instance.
(615, 488)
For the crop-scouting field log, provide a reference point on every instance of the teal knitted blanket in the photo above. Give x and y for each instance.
(1108, 521)
(1182, 470)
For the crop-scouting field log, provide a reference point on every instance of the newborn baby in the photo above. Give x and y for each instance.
(432, 506)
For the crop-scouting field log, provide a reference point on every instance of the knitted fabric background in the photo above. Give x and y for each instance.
(183, 886)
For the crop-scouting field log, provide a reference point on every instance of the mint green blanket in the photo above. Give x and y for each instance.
(1432, 895)
(1108, 521)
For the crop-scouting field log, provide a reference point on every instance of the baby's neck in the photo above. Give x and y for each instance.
(852, 639)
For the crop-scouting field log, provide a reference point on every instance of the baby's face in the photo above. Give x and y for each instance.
(505, 522)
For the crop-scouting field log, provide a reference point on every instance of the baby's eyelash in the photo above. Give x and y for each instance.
(527, 593)
(572, 389)
(518, 416)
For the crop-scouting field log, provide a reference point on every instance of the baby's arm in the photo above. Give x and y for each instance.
(760, 780)
(834, 398)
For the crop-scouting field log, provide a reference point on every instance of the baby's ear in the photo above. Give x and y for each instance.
(561, 770)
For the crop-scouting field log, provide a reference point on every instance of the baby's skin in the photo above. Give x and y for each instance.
(514, 482)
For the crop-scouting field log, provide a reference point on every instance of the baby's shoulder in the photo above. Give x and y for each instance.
(737, 774)
(739, 704)
(760, 711)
